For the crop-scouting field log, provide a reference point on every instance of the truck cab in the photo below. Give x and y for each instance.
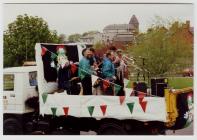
(19, 85)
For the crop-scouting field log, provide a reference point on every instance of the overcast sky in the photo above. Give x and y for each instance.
(79, 18)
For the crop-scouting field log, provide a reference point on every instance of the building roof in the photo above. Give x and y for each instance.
(133, 20)
(124, 38)
(20, 69)
(119, 27)
(191, 29)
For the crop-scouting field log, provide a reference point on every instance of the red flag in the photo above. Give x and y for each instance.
(141, 96)
(143, 105)
(121, 98)
(65, 110)
(73, 68)
(44, 50)
(103, 109)
(106, 84)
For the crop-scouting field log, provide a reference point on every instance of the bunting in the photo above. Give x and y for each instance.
(66, 109)
(91, 110)
(106, 84)
(117, 89)
(44, 97)
(121, 99)
(73, 68)
(54, 110)
(103, 109)
(130, 106)
(52, 64)
(44, 50)
(142, 103)
(53, 56)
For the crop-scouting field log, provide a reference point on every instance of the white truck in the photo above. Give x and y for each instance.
(32, 105)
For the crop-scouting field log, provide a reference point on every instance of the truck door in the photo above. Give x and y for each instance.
(9, 99)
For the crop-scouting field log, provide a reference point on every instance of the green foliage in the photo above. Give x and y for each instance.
(89, 33)
(165, 49)
(74, 37)
(98, 45)
(22, 35)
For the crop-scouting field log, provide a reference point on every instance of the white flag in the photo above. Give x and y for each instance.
(94, 78)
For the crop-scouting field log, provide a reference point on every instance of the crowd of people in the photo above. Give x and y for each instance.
(110, 67)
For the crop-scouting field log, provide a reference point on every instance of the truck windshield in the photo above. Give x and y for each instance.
(8, 82)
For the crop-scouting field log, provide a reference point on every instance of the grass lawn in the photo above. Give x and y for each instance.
(180, 82)
(175, 82)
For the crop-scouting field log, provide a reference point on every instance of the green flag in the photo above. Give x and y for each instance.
(82, 76)
(54, 109)
(130, 106)
(128, 84)
(91, 109)
(44, 97)
(117, 89)
(53, 56)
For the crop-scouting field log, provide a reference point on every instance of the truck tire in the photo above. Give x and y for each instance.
(12, 127)
(111, 129)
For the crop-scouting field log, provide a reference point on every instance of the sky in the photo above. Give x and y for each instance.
(79, 18)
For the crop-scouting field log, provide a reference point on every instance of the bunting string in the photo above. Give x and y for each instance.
(55, 55)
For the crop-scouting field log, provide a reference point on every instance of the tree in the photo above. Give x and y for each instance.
(89, 33)
(74, 37)
(165, 49)
(22, 35)
(62, 38)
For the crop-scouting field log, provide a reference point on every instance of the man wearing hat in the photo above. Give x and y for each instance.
(85, 72)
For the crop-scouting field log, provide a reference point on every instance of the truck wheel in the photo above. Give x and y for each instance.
(111, 129)
(12, 127)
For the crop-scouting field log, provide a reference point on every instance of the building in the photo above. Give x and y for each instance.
(121, 33)
(92, 38)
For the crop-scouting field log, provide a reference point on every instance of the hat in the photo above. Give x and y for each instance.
(119, 50)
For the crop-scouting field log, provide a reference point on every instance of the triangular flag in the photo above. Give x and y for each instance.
(53, 56)
(130, 106)
(54, 109)
(44, 97)
(121, 98)
(73, 68)
(94, 79)
(106, 84)
(65, 110)
(129, 84)
(82, 76)
(44, 50)
(103, 109)
(91, 110)
(143, 105)
(141, 96)
(126, 81)
(117, 89)
(52, 64)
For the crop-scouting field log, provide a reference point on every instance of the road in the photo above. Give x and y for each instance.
(186, 131)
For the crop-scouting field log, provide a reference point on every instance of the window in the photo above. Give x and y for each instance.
(33, 78)
(8, 82)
